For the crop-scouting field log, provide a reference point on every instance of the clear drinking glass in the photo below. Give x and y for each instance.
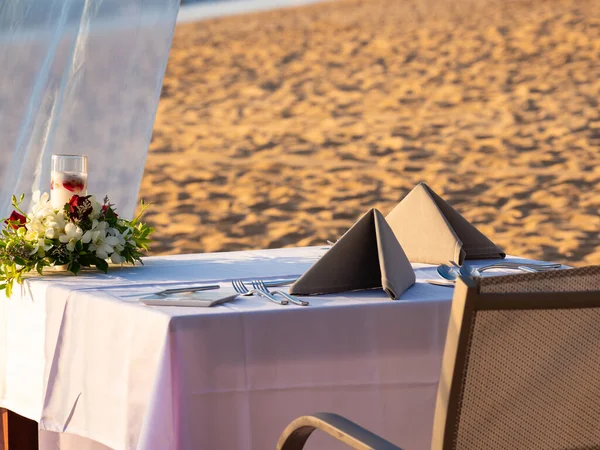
(68, 178)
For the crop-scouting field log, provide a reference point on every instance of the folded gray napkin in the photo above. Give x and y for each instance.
(367, 256)
(431, 231)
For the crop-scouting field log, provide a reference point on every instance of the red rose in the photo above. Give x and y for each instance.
(80, 208)
(16, 217)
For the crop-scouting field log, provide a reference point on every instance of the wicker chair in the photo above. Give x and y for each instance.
(521, 369)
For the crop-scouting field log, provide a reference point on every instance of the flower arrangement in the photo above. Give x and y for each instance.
(85, 233)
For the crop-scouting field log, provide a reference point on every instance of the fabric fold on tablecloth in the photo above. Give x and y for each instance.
(431, 231)
(94, 339)
(57, 299)
(367, 256)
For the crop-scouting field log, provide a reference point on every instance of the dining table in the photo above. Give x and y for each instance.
(94, 368)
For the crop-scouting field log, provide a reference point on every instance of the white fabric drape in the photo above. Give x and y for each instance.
(80, 77)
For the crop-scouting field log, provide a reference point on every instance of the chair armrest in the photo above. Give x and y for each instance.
(297, 433)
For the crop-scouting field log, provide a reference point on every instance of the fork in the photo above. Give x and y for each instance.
(260, 285)
(240, 288)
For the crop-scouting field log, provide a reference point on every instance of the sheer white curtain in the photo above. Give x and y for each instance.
(80, 77)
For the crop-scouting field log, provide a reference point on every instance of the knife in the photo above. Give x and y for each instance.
(206, 287)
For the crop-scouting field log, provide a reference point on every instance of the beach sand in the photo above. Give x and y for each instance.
(281, 128)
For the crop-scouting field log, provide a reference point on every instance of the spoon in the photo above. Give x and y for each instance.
(447, 272)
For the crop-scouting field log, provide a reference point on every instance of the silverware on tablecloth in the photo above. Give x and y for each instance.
(467, 270)
(205, 287)
(451, 273)
(241, 289)
(260, 285)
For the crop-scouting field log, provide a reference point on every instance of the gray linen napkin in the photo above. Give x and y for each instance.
(367, 256)
(431, 231)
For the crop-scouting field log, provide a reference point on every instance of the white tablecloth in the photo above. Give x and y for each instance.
(81, 356)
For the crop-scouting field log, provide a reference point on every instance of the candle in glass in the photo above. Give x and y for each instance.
(68, 178)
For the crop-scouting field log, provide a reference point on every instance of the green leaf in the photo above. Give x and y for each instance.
(143, 208)
(20, 261)
(74, 267)
(101, 265)
(87, 260)
(110, 214)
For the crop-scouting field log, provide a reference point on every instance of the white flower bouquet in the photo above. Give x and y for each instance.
(85, 233)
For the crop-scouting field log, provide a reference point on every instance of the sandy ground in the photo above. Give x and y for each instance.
(281, 128)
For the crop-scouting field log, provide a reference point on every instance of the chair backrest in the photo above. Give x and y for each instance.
(521, 366)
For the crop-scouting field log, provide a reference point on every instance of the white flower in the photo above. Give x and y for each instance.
(98, 231)
(72, 234)
(116, 258)
(99, 241)
(120, 237)
(43, 219)
(41, 203)
(55, 225)
(35, 223)
(129, 235)
(31, 235)
(50, 233)
(54, 222)
(92, 234)
(40, 210)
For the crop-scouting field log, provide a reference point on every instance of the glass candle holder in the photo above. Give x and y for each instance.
(68, 178)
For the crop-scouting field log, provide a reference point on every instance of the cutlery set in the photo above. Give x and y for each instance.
(204, 295)
(451, 272)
